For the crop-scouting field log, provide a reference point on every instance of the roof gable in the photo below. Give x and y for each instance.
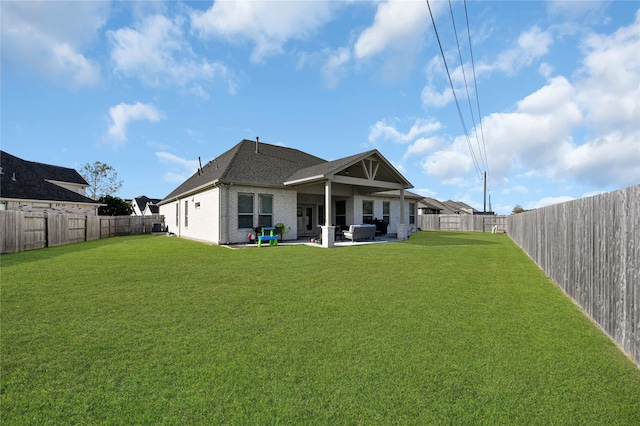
(368, 168)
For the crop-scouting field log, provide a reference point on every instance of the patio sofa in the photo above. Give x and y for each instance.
(360, 232)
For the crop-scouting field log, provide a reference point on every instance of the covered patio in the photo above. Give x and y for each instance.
(336, 194)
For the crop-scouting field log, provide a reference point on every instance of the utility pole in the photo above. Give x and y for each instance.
(485, 192)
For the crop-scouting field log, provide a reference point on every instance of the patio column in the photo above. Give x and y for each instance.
(328, 231)
(402, 227)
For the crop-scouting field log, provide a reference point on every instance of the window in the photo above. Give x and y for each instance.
(186, 213)
(386, 212)
(341, 213)
(177, 214)
(265, 213)
(412, 213)
(245, 211)
(367, 211)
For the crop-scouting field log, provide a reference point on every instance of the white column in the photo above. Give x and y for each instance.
(328, 231)
(402, 227)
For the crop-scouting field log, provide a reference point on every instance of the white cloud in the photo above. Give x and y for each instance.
(382, 131)
(424, 145)
(156, 52)
(449, 166)
(398, 24)
(530, 46)
(586, 131)
(576, 10)
(548, 201)
(180, 169)
(267, 24)
(122, 114)
(49, 37)
(432, 97)
(612, 159)
(610, 89)
(335, 66)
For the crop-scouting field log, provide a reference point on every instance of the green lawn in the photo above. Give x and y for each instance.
(446, 328)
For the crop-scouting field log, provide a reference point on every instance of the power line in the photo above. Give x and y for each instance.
(466, 86)
(455, 97)
(475, 82)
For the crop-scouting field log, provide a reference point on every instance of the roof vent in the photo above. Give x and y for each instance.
(13, 178)
(257, 142)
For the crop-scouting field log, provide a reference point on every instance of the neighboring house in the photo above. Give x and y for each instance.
(30, 186)
(429, 205)
(144, 204)
(257, 184)
(150, 210)
(458, 207)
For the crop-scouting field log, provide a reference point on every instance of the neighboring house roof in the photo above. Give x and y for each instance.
(143, 200)
(432, 204)
(258, 164)
(141, 203)
(151, 209)
(458, 207)
(28, 180)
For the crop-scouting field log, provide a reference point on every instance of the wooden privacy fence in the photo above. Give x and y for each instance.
(20, 230)
(591, 249)
(462, 222)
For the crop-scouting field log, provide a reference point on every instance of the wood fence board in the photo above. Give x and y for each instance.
(21, 231)
(462, 222)
(591, 249)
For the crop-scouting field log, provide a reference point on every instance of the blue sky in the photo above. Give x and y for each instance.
(148, 87)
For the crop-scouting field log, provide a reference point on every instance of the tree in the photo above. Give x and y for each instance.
(115, 206)
(102, 178)
(518, 209)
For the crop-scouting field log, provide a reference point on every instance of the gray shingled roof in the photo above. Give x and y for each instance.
(260, 164)
(433, 203)
(458, 206)
(326, 167)
(271, 165)
(28, 180)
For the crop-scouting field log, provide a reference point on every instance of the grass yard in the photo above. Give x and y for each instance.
(446, 328)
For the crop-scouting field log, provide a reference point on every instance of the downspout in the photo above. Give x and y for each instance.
(327, 203)
(226, 207)
(402, 209)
